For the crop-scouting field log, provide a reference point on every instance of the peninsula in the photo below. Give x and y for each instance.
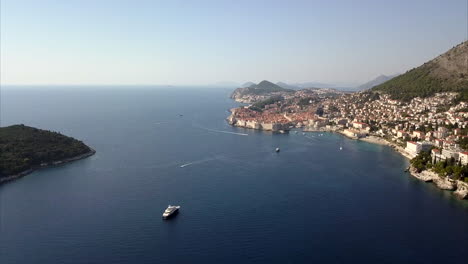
(24, 149)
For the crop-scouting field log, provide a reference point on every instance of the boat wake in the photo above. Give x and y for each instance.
(196, 162)
(227, 132)
(186, 164)
(222, 131)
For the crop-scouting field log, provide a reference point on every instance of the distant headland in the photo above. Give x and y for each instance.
(24, 149)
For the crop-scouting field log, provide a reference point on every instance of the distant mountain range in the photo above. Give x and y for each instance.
(289, 86)
(379, 80)
(306, 85)
(247, 84)
(446, 73)
(318, 85)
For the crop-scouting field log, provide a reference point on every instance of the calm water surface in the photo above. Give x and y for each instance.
(241, 201)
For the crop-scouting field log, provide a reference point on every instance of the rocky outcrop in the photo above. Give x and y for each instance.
(462, 190)
(426, 176)
(444, 183)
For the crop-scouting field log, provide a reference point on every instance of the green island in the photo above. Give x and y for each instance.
(24, 149)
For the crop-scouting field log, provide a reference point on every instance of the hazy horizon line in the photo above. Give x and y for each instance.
(220, 84)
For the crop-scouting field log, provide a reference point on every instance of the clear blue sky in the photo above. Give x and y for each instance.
(204, 42)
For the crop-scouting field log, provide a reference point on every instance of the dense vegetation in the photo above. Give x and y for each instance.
(421, 161)
(446, 73)
(449, 167)
(267, 87)
(463, 143)
(23, 147)
(419, 82)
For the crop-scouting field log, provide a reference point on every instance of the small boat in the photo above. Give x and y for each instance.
(170, 211)
(341, 148)
(277, 149)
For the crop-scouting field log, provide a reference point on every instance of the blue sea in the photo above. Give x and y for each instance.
(240, 201)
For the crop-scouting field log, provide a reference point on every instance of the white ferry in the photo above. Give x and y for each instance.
(171, 210)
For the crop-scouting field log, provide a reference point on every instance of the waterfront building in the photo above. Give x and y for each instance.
(413, 148)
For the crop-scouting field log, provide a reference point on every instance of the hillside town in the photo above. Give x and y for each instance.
(416, 125)
(437, 124)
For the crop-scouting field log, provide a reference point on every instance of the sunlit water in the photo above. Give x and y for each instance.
(240, 201)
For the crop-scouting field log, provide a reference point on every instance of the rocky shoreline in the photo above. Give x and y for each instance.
(48, 165)
(459, 188)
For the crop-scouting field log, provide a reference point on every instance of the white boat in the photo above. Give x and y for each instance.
(171, 210)
(277, 149)
(341, 148)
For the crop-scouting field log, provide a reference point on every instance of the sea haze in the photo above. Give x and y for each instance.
(240, 201)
